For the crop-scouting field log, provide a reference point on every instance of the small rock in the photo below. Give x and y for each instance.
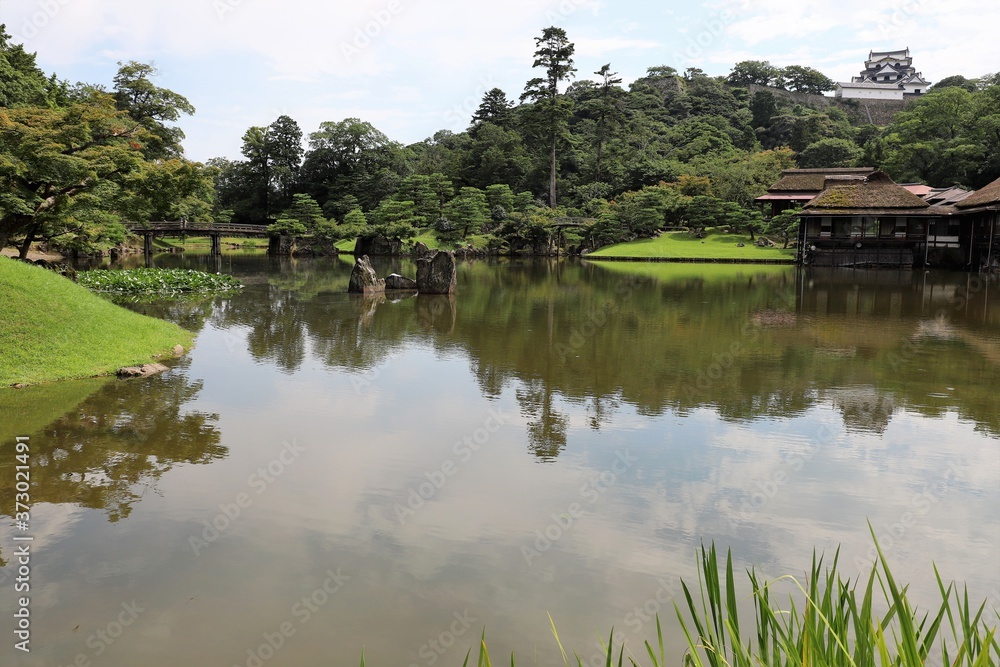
(140, 371)
(19, 385)
(178, 350)
(394, 281)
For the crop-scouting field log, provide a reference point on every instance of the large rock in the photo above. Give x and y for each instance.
(421, 250)
(377, 245)
(394, 281)
(436, 275)
(364, 280)
(141, 371)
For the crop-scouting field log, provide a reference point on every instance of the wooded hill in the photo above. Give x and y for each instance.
(672, 149)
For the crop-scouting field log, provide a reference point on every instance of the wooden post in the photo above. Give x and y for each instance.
(216, 244)
(147, 245)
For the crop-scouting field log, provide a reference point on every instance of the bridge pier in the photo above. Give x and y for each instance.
(216, 244)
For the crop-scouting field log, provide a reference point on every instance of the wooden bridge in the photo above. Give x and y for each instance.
(215, 231)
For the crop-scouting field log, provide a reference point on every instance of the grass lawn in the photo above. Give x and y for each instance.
(54, 329)
(681, 245)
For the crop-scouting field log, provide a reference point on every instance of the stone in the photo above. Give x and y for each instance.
(178, 350)
(394, 281)
(377, 245)
(364, 280)
(421, 250)
(436, 274)
(140, 371)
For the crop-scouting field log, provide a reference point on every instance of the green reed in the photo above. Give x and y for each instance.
(828, 621)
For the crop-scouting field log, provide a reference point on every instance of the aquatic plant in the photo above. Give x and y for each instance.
(164, 282)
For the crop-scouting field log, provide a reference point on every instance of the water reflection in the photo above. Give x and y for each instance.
(771, 410)
(111, 449)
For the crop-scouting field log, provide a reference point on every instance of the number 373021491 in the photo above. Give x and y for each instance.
(22, 476)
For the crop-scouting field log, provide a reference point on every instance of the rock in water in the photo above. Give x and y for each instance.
(141, 371)
(421, 250)
(397, 282)
(364, 280)
(436, 275)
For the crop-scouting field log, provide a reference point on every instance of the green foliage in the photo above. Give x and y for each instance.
(832, 152)
(548, 118)
(785, 225)
(947, 136)
(152, 107)
(22, 83)
(804, 80)
(395, 219)
(468, 212)
(759, 72)
(51, 160)
(162, 282)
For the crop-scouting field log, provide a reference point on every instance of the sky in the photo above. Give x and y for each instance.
(413, 67)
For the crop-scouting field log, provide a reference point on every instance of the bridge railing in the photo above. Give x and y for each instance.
(200, 227)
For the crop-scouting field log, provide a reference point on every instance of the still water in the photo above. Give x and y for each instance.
(325, 473)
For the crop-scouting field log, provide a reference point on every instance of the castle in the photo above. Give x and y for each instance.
(888, 75)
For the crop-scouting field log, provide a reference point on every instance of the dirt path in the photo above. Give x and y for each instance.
(34, 254)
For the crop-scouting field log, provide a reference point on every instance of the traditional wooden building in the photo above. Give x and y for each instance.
(874, 222)
(799, 186)
(980, 210)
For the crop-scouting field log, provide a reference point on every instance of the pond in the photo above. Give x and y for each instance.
(325, 473)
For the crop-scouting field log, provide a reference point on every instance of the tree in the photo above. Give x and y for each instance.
(152, 107)
(54, 163)
(805, 80)
(351, 157)
(763, 107)
(274, 155)
(830, 152)
(956, 81)
(759, 72)
(395, 220)
(495, 108)
(284, 154)
(555, 54)
(610, 114)
(784, 225)
(468, 211)
(306, 211)
(934, 140)
(22, 83)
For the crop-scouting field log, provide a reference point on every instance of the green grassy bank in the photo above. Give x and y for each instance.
(53, 329)
(684, 246)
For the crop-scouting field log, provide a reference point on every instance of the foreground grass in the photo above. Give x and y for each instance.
(682, 245)
(831, 622)
(54, 329)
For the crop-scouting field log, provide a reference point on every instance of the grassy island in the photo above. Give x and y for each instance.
(54, 329)
(685, 246)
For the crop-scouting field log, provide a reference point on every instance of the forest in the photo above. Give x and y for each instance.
(672, 149)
